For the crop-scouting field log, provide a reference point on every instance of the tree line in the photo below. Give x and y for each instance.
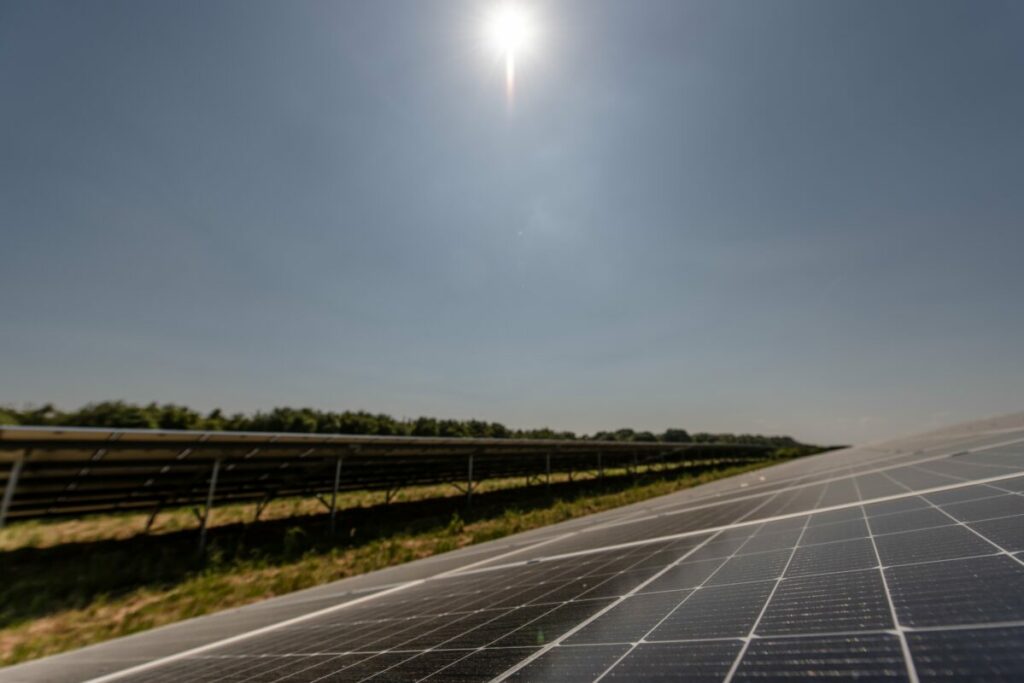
(121, 414)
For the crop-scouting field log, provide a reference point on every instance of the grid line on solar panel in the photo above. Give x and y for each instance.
(1008, 505)
(583, 624)
(888, 505)
(638, 559)
(713, 612)
(997, 506)
(900, 634)
(964, 494)
(569, 664)
(596, 631)
(813, 483)
(494, 640)
(1008, 532)
(753, 629)
(684, 597)
(938, 543)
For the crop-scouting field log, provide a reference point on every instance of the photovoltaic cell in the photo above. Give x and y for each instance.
(845, 601)
(926, 545)
(862, 658)
(924, 518)
(1006, 532)
(990, 654)
(571, 664)
(988, 508)
(630, 619)
(832, 557)
(746, 568)
(481, 665)
(697, 662)
(845, 530)
(969, 591)
(684, 575)
(716, 612)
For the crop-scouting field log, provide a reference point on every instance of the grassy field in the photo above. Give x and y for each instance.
(71, 583)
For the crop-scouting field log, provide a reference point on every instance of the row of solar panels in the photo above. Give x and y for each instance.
(61, 471)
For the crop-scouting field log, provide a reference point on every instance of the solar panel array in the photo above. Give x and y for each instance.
(903, 562)
(67, 471)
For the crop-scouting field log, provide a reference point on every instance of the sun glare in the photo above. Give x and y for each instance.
(510, 32)
(509, 29)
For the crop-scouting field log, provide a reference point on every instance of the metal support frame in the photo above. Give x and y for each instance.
(600, 466)
(152, 517)
(261, 505)
(12, 483)
(469, 481)
(547, 468)
(334, 494)
(209, 505)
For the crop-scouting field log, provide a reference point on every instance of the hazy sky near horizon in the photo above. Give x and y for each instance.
(789, 217)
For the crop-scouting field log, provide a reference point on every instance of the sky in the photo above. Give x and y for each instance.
(780, 217)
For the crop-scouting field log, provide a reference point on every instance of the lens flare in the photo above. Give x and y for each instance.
(510, 32)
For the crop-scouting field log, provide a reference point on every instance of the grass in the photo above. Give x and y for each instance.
(72, 583)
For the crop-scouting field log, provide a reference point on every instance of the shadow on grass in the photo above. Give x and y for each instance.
(42, 581)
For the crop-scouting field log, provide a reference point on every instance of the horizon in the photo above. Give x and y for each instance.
(13, 411)
(795, 218)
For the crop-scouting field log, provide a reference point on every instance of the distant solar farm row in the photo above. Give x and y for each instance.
(48, 472)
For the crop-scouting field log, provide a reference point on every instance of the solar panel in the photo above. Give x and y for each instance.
(903, 562)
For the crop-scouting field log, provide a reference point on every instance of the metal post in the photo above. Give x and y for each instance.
(636, 466)
(334, 494)
(12, 482)
(152, 518)
(209, 505)
(600, 466)
(469, 482)
(547, 461)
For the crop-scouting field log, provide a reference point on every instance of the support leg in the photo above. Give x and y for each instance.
(469, 482)
(209, 505)
(152, 518)
(261, 506)
(334, 495)
(12, 483)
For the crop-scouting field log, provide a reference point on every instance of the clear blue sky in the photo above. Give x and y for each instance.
(790, 217)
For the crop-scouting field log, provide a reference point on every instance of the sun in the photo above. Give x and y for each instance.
(510, 33)
(510, 29)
